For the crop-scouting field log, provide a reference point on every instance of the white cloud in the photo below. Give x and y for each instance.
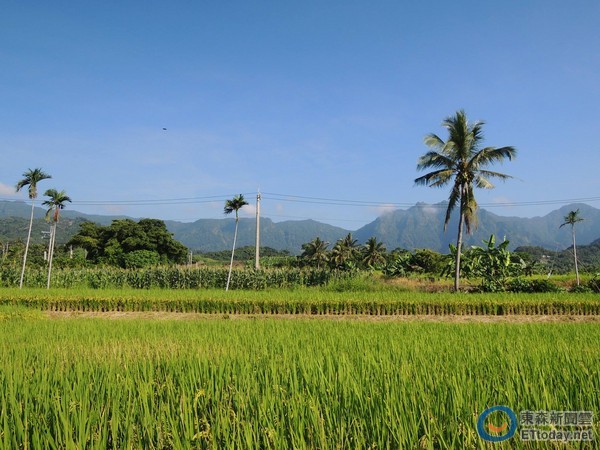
(248, 210)
(430, 209)
(380, 210)
(7, 191)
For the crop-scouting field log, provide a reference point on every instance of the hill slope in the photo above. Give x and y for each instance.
(422, 226)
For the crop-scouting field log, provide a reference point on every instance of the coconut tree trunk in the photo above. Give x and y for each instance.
(575, 255)
(51, 253)
(459, 239)
(232, 253)
(27, 244)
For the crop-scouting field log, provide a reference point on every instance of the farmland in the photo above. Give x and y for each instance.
(250, 369)
(252, 383)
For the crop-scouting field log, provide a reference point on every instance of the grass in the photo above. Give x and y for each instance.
(97, 383)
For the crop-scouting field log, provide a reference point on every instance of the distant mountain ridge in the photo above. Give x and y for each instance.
(420, 226)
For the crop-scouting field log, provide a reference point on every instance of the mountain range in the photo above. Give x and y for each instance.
(421, 226)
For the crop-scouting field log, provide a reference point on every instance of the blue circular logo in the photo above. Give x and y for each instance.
(509, 429)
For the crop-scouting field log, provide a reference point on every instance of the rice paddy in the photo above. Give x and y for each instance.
(282, 383)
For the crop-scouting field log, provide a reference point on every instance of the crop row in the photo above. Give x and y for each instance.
(307, 302)
(174, 277)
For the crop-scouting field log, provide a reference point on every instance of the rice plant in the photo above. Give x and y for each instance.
(276, 383)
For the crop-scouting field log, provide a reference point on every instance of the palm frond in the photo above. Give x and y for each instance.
(453, 199)
(434, 141)
(31, 178)
(492, 155)
(436, 178)
(434, 159)
(572, 218)
(492, 174)
(482, 182)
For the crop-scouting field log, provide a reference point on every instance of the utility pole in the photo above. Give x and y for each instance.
(257, 256)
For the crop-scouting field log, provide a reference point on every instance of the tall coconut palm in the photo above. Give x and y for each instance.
(461, 162)
(56, 201)
(30, 178)
(571, 219)
(234, 205)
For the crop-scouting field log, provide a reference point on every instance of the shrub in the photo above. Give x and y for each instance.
(531, 286)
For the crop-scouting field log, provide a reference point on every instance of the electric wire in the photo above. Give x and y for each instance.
(316, 201)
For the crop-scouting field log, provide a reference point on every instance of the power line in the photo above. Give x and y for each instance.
(342, 202)
(316, 201)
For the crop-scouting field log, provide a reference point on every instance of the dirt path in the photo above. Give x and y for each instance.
(159, 315)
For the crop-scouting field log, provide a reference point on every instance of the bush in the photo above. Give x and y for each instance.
(581, 289)
(531, 286)
(354, 284)
(594, 283)
(138, 259)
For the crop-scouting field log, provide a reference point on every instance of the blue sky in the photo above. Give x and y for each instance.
(312, 99)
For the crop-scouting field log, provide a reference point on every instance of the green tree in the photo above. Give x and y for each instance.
(344, 252)
(373, 254)
(55, 203)
(30, 178)
(315, 252)
(571, 219)
(89, 237)
(234, 205)
(112, 244)
(427, 261)
(461, 162)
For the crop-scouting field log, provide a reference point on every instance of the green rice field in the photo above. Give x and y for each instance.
(312, 301)
(250, 382)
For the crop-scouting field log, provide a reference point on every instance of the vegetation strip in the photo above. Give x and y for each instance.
(305, 301)
(159, 315)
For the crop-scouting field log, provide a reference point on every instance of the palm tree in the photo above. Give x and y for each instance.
(344, 251)
(461, 162)
(373, 253)
(235, 204)
(55, 203)
(30, 178)
(315, 251)
(571, 219)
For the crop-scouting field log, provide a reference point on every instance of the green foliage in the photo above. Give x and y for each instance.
(126, 243)
(531, 286)
(246, 253)
(493, 265)
(422, 261)
(315, 253)
(365, 283)
(373, 254)
(594, 283)
(398, 264)
(138, 259)
(427, 261)
(173, 277)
